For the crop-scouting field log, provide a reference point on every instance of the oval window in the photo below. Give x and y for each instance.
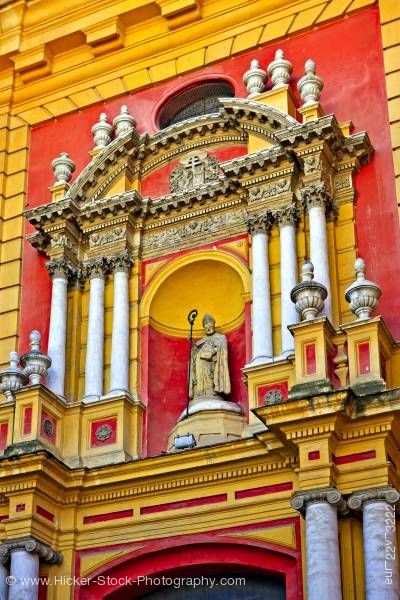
(199, 99)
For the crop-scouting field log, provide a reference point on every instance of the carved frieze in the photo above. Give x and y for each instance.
(204, 227)
(97, 239)
(271, 190)
(194, 170)
(343, 181)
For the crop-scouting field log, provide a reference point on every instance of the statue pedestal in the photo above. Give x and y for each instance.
(209, 427)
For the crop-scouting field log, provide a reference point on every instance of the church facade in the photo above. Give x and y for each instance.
(199, 319)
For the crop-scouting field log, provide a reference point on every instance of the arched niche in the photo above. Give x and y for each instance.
(202, 281)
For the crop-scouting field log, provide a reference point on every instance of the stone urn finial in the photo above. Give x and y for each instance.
(63, 167)
(13, 378)
(309, 295)
(102, 131)
(35, 363)
(280, 70)
(123, 122)
(362, 295)
(255, 79)
(310, 85)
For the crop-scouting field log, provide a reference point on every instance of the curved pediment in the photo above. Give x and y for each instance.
(130, 154)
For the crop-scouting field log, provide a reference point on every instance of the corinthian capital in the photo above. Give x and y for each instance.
(316, 195)
(289, 215)
(121, 262)
(61, 268)
(330, 495)
(259, 222)
(33, 546)
(95, 268)
(386, 494)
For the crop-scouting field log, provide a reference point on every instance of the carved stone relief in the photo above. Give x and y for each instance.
(107, 237)
(207, 226)
(194, 170)
(269, 191)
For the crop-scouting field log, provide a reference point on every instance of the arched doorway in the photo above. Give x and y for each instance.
(268, 573)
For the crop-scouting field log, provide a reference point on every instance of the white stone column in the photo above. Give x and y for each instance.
(24, 555)
(60, 271)
(316, 199)
(4, 572)
(287, 219)
(259, 226)
(320, 508)
(381, 558)
(119, 377)
(94, 366)
(24, 571)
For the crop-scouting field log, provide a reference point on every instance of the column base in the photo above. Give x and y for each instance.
(259, 360)
(117, 393)
(90, 398)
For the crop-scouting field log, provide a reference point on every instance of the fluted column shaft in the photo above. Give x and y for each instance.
(322, 542)
(287, 219)
(381, 559)
(316, 199)
(60, 271)
(119, 378)
(24, 572)
(259, 227)
(94, 365)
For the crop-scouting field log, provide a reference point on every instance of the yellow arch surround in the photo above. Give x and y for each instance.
(240, 273)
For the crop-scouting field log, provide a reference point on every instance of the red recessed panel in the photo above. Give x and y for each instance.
(314, 455)
(27, 420)
(20, 508)
(3, 435)
(44, 513)
(310, 359)
(350, 458)
(266, 489)
(104, 432)
(146, 510)
(121, 514)
(364, 358)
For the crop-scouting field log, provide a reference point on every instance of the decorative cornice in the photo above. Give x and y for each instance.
(211, 190)
(259, 222)
(316, 195)
(331, 495)
(288, 215)
(33, 546)
(61, 268)
(386, 494)
(121, 262)
(97, 268)
(257, 160)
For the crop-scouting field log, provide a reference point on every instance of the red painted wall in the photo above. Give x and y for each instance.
(167, 382)
(349, 58)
